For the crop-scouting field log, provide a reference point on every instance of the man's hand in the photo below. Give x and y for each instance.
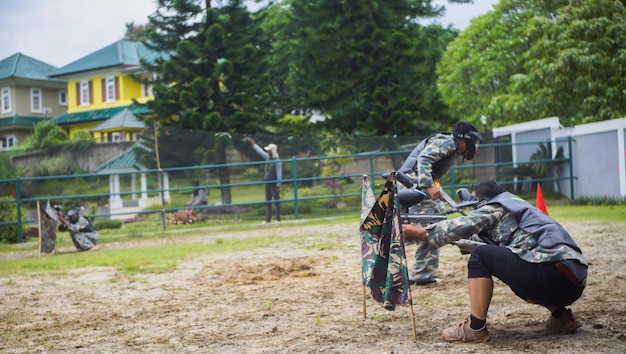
(434, 192)
(414, 233)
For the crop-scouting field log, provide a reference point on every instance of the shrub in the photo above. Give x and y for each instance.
(57, 166)
(251, 173)
(8, 212)
(182, 217)
(108, 224)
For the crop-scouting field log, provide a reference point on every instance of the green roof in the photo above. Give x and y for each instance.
(126, 161)
(124, 119)
(98, 114)
(20, 66)
(121, 53)
(20, 120)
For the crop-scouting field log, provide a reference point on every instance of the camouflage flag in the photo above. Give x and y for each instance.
(382, 246)
(48, 228)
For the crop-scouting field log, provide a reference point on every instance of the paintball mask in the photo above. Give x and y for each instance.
(472, 140)
(73, 216)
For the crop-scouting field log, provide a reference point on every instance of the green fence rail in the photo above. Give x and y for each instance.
(27, 192)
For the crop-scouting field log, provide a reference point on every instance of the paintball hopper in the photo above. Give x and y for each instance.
(466, 198)
(408, 197)
(411, 195)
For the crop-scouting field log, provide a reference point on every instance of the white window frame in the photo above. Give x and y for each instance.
(5, 100)
(7, 142)
(62, 98)
(110, 89)
(147, 90)
(84, 93)
(36, 100)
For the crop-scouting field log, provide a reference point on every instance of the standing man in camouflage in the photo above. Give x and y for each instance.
(527, 250)
(430, 160)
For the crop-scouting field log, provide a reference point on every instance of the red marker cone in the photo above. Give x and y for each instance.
(540, 203)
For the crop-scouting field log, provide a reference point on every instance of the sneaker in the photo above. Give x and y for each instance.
(464, 333)
(424, 281)
(564, 324)
(389, 306)
(265, 222)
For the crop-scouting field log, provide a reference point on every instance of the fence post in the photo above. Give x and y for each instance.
(571, 168)
(372, 177)
(162, 198)
(451, 192)
(18, 198)
(294, 173)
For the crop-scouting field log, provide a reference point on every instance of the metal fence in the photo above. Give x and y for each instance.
(300, 173)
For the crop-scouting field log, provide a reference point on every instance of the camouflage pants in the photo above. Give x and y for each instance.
(84, 241)
(426, 256)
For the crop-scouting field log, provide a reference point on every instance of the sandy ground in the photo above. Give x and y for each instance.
(295, 297)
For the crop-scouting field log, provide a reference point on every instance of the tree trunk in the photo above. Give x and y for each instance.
(224, 177)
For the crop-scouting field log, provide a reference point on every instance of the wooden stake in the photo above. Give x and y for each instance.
(412, 314)
(39, 226)
(364, 298)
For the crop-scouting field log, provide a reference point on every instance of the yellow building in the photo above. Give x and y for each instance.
(100, 85)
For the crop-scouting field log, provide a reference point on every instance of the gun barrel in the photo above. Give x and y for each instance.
(422, 218)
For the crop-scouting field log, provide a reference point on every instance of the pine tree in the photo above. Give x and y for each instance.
(215, 78)
(368, 65)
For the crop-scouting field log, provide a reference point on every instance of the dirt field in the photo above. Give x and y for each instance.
(295, 297)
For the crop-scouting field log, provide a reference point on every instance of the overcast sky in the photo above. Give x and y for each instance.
(58, 32)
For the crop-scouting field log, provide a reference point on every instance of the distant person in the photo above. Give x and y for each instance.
(198, 195)
(273, 174)
(527, 250)
(84, 235)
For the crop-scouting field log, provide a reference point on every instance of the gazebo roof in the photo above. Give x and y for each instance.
(124, 162)
(123, 120)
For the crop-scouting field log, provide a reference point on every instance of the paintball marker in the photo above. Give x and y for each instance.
(466, 246)
(412, 195)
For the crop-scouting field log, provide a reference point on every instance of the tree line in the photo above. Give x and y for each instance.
(371, 68)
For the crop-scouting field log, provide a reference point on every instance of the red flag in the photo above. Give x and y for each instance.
(540, 203)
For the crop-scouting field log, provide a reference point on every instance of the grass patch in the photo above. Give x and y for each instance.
(148, 259)
(131, 261)
(165, 258)
(615, 213)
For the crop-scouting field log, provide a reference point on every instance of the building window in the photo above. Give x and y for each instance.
(35, 100)
(62, 98)
(84, 93)
(6, 100)
(146, 90)
(110, 89)
(7, 142)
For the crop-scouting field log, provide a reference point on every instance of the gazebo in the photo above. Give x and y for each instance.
(127, 163)
(123, 126)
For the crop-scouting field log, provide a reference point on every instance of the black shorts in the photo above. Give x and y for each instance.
(540, 283)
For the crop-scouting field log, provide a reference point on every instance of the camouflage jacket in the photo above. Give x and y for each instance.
(500, 226)
(435, 159)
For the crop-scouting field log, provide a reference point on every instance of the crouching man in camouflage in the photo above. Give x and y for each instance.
(84, 235)
(529, 251)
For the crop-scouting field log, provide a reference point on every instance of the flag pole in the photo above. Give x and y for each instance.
(410, 295)
(412, 313)
(364, 307)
